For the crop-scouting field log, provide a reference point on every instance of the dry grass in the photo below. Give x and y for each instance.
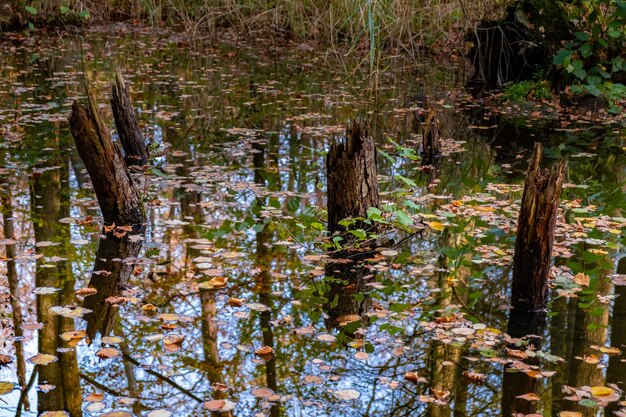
(371, 23)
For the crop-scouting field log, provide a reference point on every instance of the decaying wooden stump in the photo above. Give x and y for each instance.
(351, 172)
(127, 127)
(535, 233)
(431, 147)
(117, 196)
(352, 188)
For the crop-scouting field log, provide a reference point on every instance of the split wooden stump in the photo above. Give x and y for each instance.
(117, 195)
(131, 138)
(535, 233)
(352, 177)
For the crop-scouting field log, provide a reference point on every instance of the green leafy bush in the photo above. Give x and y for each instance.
(594, 60)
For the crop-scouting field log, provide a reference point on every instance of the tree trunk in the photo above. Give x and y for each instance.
(127, 127)
(535, 234)
(117, 196)
(351, 171)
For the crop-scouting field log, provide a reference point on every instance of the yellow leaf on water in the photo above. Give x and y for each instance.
(570, 414)
(436, 226)
(6, 387)
(600, 391)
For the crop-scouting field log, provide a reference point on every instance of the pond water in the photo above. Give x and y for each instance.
(232, 264)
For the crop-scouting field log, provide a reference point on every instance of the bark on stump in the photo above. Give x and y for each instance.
(351, 172)
(131, 138)
(117, 196)
(431, 147)
(535, 233)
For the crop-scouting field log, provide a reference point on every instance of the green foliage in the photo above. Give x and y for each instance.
(595, 56)
(525, 90)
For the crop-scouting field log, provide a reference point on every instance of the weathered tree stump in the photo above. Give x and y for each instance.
(431, 145)
(535, 233)
(131, 138)
(351, 172)
(117, 196)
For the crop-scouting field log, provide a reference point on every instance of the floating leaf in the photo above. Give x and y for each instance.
(159, 413)
(263, 351)
(347, 394)
(6, 387)
(219, 405)
(531, 396)
(262, 392)
(95, 407)
(108, 353)
(43, 359)
(600, 391)
(94, 397)
(436, 226)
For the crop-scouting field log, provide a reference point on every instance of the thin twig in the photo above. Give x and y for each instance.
(163, 378)
(25, 390)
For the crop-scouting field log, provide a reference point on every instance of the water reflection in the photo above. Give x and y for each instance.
(241, 173)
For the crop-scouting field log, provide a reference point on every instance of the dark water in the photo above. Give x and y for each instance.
(236, 190)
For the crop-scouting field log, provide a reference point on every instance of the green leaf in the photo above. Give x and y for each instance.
(406, 180)
(582, 36)
(30, 9)
(64, 9)
(586, 50)
(374, 212)
(359, 233)
(404, 219)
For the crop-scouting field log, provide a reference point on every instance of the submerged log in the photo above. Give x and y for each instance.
(535, 233)
(351, 171)
(117, 196)
(127, 127)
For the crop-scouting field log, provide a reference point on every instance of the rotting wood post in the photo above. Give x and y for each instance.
(117, 196)
(131, 138)
(431, 147)
(351, 173)
(535, 233)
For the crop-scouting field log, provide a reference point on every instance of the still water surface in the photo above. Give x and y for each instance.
(233, 255)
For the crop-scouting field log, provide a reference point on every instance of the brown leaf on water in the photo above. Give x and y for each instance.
(531, 396)
(414, 377)
(5, 360)
(108, 353)
(85, 292)
(582, 279)
(236, 302)
(73, 337)
(43, 359)
(475, 377)
(265, 352)
(514, 353)
(94, 397)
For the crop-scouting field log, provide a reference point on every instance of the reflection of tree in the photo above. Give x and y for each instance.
(50, 203)
(16, 307)
(616, 372)
(113, 268)
(515, 382)
(191, 210)
(590, 329)
(263, 256)
(444, 358)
